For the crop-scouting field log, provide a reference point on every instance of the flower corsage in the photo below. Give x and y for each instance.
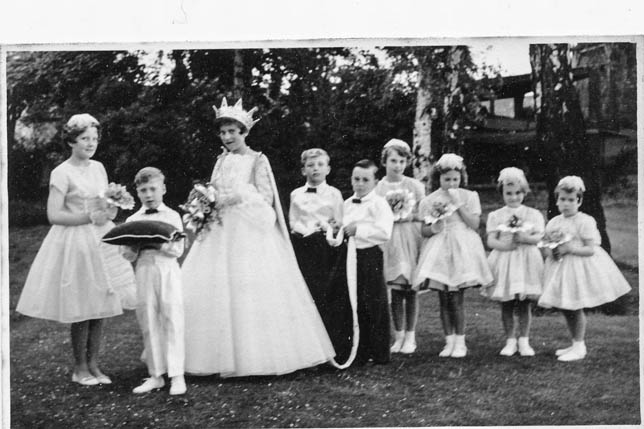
(515, 224)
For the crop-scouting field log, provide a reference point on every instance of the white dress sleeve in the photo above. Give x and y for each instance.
(59, 180)
(262, 179)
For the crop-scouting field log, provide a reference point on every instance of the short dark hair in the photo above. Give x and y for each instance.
(230, 121)
(367, 164)
(400, 150)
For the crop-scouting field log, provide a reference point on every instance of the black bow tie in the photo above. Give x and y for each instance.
(151, 211)
(312, 190)
(356, 201)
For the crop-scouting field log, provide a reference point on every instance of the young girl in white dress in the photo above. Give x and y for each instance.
(401, 251)
(452, 257)
(75, 278)
(513, 232)
(578, 273)
(248, 310)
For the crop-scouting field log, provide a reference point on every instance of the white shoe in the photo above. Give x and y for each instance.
(577, 352)
(510, 347)
(409, 344)
(149, 385)
(178, 385)
(449, 346)
(398, 342)
(524, 347)
(460, 350)
(560, 352)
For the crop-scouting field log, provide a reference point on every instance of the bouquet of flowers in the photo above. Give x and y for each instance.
(402, 203)
(515, 224)
(440, 210)
(201, 208)
(117, 196)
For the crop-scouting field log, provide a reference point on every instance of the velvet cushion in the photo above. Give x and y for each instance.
(141, 232)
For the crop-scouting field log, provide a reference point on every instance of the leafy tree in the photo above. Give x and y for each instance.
(561, 132)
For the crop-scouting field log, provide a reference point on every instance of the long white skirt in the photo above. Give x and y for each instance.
(248, 310)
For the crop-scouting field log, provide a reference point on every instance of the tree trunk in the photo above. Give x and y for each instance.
(422, 144)
(453, 108)
(561, 134)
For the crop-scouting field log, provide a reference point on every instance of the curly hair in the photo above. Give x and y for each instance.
(77, 125)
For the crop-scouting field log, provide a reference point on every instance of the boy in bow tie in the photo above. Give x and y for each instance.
(369, 220)
(160, 295)
(315, 207)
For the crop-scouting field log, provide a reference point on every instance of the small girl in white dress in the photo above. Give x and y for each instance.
(513, 232)
(578, 273)
(75, 278)
(452, 257)
(401, 251)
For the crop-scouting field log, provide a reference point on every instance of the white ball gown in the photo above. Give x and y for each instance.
(248, 310)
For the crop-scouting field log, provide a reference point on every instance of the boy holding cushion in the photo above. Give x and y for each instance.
(160, 296)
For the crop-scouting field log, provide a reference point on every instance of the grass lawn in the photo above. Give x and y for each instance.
(417, 390)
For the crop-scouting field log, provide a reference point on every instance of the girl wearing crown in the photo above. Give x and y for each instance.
(248, 310)
(513, 232)
(578, 273)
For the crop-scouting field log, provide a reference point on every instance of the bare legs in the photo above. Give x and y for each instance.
(576, 321)
(524, 310)
(452, 312)
(86, 343)
(404, 310)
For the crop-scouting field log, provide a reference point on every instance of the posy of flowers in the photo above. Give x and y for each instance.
(117, 196)
(201, 208)
(553, 239)
(402, 203)
(440, 210)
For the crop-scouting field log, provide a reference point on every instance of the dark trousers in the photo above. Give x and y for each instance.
(323, 269)
(373, 309)
(315, 259)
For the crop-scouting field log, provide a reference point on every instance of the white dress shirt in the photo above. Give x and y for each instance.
(374, 219)
(310, 210)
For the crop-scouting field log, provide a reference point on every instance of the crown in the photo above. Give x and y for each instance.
(236, 112)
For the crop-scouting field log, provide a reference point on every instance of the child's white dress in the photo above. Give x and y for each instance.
(519, 272)
(76, 277)
(454, 258)
(248, 310)
(400, 253)
(576, 282)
